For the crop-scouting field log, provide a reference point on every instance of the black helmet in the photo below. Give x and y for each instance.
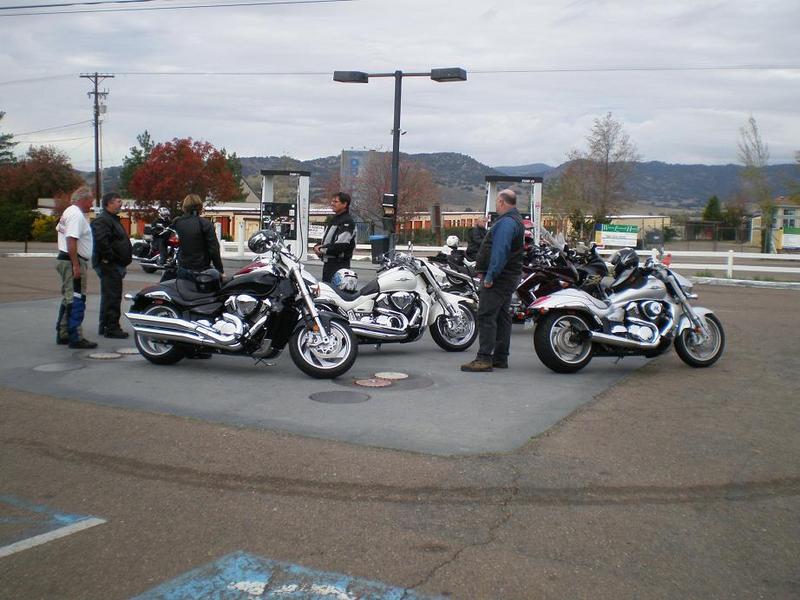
(262, 241)
(208, 281)
(624, 259)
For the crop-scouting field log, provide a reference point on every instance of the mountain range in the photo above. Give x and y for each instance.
(655, 186)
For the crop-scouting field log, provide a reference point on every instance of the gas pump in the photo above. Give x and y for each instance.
(291, 218)
(534, 201)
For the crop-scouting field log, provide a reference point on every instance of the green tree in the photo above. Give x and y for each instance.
(136, 158)
(235, 167)
(754, 155)
(713, 210)
(6, 146)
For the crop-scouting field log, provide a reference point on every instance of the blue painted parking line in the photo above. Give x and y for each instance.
(241, 576)
(36, 524)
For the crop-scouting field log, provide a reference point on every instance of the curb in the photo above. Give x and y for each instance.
(751, 283)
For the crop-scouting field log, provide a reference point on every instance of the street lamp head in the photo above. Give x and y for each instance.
(449, 74)
(350, 77)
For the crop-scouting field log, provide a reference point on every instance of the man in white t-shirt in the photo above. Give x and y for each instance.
(74, 257)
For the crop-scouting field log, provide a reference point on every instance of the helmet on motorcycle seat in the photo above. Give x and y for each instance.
(452, 241)
(208, 281)
(262, 241)
(345, 280)
(624, 259)
(164, 213)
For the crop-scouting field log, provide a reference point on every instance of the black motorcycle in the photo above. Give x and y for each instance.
(255, 314)
(147, 254)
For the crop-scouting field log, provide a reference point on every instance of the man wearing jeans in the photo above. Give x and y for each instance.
(500, 259)
(74, 253)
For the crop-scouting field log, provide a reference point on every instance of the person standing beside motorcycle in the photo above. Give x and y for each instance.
(475, 236)
(72, 264)
(339, 239)
(500, 260)
(160, 234)
(199, 243)
(112, 253)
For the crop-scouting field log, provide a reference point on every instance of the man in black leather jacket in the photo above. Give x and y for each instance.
(199, 244)
(112, 253)
(339, 239)
(475, 236)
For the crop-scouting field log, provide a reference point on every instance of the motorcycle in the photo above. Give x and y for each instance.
(646, 310)
(146, 252)
(406, 298)
(255, 314)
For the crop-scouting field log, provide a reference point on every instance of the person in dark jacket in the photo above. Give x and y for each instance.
(339, 239)
(475, 236)
(199, 244)
(500, 260)
(161, 234)
(112, 253)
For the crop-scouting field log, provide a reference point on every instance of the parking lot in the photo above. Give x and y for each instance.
(631, 479)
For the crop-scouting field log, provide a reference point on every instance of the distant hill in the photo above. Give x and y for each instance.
(460, 178)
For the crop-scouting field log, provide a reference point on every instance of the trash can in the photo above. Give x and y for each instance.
(380, 246)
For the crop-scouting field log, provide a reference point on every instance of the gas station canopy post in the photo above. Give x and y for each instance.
(292, 218)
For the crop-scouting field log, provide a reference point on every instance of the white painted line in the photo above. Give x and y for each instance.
(38, 540)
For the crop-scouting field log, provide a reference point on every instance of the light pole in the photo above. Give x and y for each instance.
(440, 75)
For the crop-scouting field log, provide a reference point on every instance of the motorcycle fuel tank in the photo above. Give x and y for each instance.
(397, 279)
(653, 289)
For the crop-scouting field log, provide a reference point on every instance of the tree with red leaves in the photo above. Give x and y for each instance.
(180, 167)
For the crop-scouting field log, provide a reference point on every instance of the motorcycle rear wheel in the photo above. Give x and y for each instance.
(456, 336)
(159, 352)
(560, 343)
(701, 355)
(324, 361)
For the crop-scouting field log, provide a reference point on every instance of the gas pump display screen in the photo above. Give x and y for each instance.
(284, 215)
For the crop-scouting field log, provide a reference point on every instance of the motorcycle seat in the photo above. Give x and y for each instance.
(371, 287)
(185, 293)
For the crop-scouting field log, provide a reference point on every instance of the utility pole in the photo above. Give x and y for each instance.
(96, 78)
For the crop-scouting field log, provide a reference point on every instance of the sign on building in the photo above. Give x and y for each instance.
(616, 235)
(791, 237)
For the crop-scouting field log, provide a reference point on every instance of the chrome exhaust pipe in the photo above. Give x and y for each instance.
(615, 340)
(181, 331)
(377, 332)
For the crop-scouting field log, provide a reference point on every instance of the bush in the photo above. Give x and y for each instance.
(15, 222)
(44, 229)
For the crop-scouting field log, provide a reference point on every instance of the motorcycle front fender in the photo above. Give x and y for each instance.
(325, 317)
(453, 300)
(684, 322)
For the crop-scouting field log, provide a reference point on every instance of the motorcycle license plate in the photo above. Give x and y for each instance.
(528, 324)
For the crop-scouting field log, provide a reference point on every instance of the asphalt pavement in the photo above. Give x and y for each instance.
(648, 480)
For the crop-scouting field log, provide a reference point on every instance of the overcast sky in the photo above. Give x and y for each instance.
(515, 108)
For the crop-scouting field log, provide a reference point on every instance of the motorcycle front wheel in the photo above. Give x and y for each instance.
(159, 352)
(456, 334)
(561, 344)
(321, 359)
(701, 354)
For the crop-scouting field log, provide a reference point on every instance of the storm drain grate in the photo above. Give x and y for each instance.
(105, 355)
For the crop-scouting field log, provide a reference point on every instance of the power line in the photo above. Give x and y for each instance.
(632, 68)
(29, 6)
(52, 128)
(87, 137)
(35, 79)
(149, 8)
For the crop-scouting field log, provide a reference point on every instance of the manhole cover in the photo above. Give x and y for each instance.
(105, 355)
(57, 367)
(373, 382)
(339, 397)
(391, 375)
(126, 351)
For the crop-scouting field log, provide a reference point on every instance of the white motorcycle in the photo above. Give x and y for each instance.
(645, 311)
(406, 298)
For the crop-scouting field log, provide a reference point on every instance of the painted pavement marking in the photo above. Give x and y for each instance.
(242, 576)
(40, 524)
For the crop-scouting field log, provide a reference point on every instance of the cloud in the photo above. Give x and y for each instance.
(497, 116)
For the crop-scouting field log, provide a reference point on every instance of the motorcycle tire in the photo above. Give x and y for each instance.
(324, 363)
(700, 356)
(558, 342)
(159, 352)
(455, 342)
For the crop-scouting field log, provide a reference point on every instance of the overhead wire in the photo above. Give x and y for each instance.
(52, 128)
(187, 7)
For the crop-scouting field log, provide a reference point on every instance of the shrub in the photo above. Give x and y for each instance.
(44, 229)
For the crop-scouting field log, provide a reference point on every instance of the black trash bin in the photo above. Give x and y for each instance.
(380, 246)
